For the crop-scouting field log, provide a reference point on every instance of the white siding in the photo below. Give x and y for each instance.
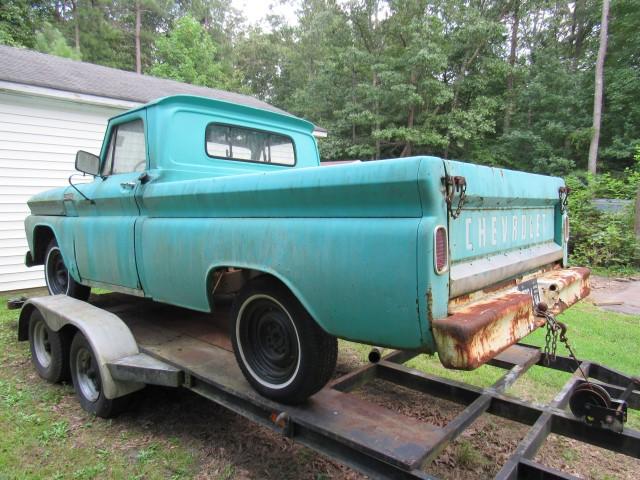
(39, 138)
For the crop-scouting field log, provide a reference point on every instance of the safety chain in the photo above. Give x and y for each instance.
(563, 193)
(556, 330)
(453, 185)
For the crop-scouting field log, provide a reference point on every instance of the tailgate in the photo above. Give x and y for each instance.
(510, 224)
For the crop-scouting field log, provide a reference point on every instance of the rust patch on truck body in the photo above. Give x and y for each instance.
(478, 331)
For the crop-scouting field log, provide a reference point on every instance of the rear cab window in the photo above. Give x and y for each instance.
(249, 145)
(127, 149)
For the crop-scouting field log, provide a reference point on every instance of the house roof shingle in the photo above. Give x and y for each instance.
(28, 67)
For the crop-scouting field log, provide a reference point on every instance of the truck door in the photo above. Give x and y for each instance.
(104, 228)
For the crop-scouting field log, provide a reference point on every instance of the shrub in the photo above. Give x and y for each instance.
(603, 239)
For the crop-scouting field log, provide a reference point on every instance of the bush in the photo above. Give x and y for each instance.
(602, 239)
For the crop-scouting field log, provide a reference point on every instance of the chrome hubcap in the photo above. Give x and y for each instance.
(87, 375)
(41, 345)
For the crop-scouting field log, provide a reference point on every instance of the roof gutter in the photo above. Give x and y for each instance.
(66, 95)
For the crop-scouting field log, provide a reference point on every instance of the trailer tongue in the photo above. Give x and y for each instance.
(176, 347)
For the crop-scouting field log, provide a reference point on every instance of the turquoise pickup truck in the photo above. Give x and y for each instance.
(194, 199)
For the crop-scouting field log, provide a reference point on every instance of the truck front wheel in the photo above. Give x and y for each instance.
(281, 350)
(59, 280)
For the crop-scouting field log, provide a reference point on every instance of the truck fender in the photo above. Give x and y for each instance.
(108, 335)
(57, 226)
(264, 270)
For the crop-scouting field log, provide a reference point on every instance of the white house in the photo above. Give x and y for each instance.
(51, 107)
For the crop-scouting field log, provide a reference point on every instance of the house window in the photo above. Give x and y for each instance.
(244, 144)
(127, 149)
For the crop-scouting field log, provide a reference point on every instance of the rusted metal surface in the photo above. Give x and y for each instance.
(562, 288)
(477, 333)
(479, 330)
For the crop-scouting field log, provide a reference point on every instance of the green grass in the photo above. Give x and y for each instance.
(45, 434)
(597, 335)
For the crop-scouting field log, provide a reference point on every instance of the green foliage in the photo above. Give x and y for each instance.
(188, 54)
(50, 40)
(19, 20)
(603, 239)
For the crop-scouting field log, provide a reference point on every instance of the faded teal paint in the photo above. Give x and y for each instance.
(353, 242)
(504, 210)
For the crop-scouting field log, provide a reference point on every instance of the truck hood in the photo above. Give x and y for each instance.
(49, 202)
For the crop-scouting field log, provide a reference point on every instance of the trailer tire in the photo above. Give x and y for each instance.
(57, 277)
(87, 381)
(281, 350)
(49, 349)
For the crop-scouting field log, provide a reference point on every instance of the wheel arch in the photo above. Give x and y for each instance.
(45, 229)
(42, 236)
(108, 335)
(254, 271)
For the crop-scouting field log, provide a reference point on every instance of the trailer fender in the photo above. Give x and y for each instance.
(108, 335)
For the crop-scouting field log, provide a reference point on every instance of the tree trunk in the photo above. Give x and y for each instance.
(577, 32)
(408, 147)
(76, 21)
(597, 97)
(512, 64)
(637, 217)
(138, 55)
(377, 113)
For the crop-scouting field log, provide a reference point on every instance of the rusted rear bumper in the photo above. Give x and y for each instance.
(475, 332)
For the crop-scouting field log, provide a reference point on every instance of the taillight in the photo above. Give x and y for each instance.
(440, 250)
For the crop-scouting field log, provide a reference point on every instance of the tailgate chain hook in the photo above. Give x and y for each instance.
(563, 194)
(453, 185)
(555, 330)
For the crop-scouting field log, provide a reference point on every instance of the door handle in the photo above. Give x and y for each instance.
(128, 185)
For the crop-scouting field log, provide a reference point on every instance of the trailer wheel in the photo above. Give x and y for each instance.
(57, 276)
(87, 381)
(49, 349)
(281, 350)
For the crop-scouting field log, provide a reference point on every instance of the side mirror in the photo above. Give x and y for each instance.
(87, 163)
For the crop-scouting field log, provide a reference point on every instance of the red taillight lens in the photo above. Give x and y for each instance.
(441, 250)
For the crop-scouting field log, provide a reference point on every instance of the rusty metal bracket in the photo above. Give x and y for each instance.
(455, 185)
(283, 422)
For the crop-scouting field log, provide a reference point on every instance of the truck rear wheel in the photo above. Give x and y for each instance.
(87, 381)
(281, 350)
(49, 349)
(59, 280)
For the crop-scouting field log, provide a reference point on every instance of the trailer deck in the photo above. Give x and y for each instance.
(196, 353)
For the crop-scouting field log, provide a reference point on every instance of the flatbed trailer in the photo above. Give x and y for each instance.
(175, 347)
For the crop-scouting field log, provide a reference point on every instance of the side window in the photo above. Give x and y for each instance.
(127, 149)
(236, 143)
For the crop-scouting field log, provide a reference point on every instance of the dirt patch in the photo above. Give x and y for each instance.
(620, 295)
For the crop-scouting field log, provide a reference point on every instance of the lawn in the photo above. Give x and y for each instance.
(46, 435)
(39, 442)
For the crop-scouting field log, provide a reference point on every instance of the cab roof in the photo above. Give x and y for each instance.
(206, 103)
